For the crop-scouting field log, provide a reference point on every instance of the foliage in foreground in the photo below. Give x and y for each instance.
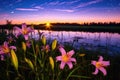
(23, 58)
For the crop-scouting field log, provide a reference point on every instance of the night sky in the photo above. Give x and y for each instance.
(71, 11)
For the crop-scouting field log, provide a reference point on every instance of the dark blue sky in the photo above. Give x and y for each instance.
(40, 11)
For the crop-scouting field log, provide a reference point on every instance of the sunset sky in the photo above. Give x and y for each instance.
(71, 11)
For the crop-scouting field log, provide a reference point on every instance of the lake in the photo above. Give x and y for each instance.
(103, 41)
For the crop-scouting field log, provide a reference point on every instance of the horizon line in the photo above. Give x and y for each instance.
(64, 23)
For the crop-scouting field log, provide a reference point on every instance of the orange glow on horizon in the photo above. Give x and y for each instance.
(47, 21)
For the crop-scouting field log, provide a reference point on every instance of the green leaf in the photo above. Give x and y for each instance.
(79, 76)
(72, 72)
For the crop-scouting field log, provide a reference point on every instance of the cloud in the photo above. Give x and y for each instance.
(65, 10)
(38, 7)
(69, 3)
(88, 3)
(53, 3)
(26, 9)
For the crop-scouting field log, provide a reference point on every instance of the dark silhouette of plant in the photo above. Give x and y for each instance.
(9, 24)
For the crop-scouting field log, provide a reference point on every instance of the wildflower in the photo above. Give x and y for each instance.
(100, 64)
(66, 58)
(28, 44)
(46, 48)
(24, 31)
(10, 39)
(5, 49)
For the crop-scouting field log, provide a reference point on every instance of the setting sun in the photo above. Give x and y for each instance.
(48, 25)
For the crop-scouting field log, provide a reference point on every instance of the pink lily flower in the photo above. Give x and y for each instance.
(5, 49)
(66, 58)
(100, 64)
(24, 31)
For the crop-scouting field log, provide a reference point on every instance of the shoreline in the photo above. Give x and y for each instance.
(110, 29)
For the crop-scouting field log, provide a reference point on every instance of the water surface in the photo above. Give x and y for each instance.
(103, 41)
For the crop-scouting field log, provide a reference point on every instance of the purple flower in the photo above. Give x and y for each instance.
(10, 39)
(100, 64)
(46, 48)
(66, 58)
(24, 31)
(5, 49)
(28, 44)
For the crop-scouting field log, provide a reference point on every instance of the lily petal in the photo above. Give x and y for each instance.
(106, 63)
(96, 71)
(1, 52)
(12, 47)
(30, 29)
(63, 52)
(59, 58)
(17, 28)
(93, 62)
(73, 60)
(71, 52)
(100, 58)
(70, 65)
(6, 44)
(26, 37)
(16, 35)
(24, 26)
(62, 65)
(103, 70)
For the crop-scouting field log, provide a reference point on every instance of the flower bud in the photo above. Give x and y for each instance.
(44, 40)
(51, 62)
(14, 59)
(28, 61)
(24, 46)
(54, 43)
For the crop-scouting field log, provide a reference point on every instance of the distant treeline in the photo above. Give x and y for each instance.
(92, 27)
(90, 24)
